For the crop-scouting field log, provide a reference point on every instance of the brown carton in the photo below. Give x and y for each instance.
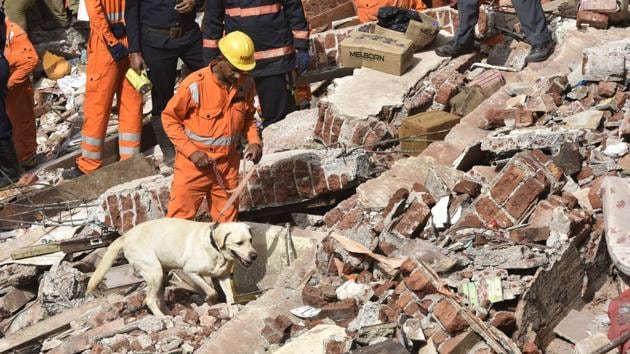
(389, 55)
(420, 33)
(423, 128)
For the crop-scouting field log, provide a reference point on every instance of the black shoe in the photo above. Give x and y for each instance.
(168, 150)
(71, 173)
(453, 49)
(10, 169)
(540, 52)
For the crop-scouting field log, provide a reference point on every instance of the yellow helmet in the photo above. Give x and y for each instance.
(238, 49)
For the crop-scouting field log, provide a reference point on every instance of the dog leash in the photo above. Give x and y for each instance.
(236, 192)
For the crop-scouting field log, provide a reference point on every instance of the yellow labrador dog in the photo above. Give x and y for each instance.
(199, 249)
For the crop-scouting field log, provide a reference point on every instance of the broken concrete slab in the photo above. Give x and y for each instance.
(295, 132)
(615, 194)
(584, 120)
(574, 327)
(73, 192)
(530, 138)
(609, 62)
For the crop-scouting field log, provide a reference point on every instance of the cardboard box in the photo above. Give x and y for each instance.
(389, 55)
(425, 127)
(420, 33)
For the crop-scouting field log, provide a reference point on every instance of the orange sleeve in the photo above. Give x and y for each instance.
(23, 57)
(173, 117)
(98, 21)
(249, 128)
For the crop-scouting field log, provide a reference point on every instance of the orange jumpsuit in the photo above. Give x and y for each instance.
(106, 78)
(367, 10)
(22, 59)
(204, 115)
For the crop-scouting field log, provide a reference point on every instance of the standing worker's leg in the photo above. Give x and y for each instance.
(103, 79)
(129, 116)
(532, 18)
(16, 11)
(468, 11)
(58, 10)
(9, 167)
(192, 56)
(189, 188)
(162, 64)
(276, 100)
(19, 105)
(218, 194)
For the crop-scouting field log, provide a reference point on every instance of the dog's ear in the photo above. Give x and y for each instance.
(220, 236)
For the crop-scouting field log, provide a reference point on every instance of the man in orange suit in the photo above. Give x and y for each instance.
(107, 64)
(22, 59)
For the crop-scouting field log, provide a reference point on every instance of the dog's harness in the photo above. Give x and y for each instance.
(212, 241)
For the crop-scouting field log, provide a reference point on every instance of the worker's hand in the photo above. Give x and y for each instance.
(302, 60)
(253, 152)
(136, 61)
(200, 159)
(118, 51)
(185, 6)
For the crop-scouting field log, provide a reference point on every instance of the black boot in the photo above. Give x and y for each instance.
(540, 52)
(10, 169)
(168, 150)
(454, 49)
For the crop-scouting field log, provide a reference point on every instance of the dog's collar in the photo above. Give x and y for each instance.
(212, 241)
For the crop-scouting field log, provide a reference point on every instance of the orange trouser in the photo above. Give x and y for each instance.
(191, 185)
(106, 78)
(19, 103)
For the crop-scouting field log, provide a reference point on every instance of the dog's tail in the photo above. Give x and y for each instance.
(105, 263)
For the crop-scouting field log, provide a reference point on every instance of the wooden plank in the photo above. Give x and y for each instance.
(342, 11)
(110, 150)
(323, 75)
(25, 240)
(83, 188)
(51, 325)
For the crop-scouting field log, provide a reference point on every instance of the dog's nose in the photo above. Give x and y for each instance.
(253, 256)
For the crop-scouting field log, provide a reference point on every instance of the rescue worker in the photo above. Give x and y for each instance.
(106, 67)
(17, 11)
(161, 32)
(23, 60)
(212, 109)
(280, 33)
(10, 169)
(530, 15)
(367, 10)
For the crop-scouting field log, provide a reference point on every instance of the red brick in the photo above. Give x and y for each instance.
(412, 309)
(449, 316)
(413, 220)
(340, 310)
(497, 117)
(491, 214)
(460, 344)
(404, 298)
(469, 221)
(408, 265)
(388, 314)
(381, 289)
(507, 183)
(418, 282)
(530, 234)
(606, 88)
(592, 19)
(466, 186)
(276, 331)
(523, 198)
(594, 195)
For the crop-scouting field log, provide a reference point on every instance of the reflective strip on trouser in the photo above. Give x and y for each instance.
(253, 11)
(106, 78)
(128, 144)
(272, 53)
(213, 142)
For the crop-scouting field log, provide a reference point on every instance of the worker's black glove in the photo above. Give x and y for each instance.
(210, 54)
(118, 51)
(302, 59)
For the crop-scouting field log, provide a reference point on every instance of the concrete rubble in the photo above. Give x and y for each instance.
(505, 234)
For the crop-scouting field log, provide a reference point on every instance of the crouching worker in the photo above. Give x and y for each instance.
(205, 119)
